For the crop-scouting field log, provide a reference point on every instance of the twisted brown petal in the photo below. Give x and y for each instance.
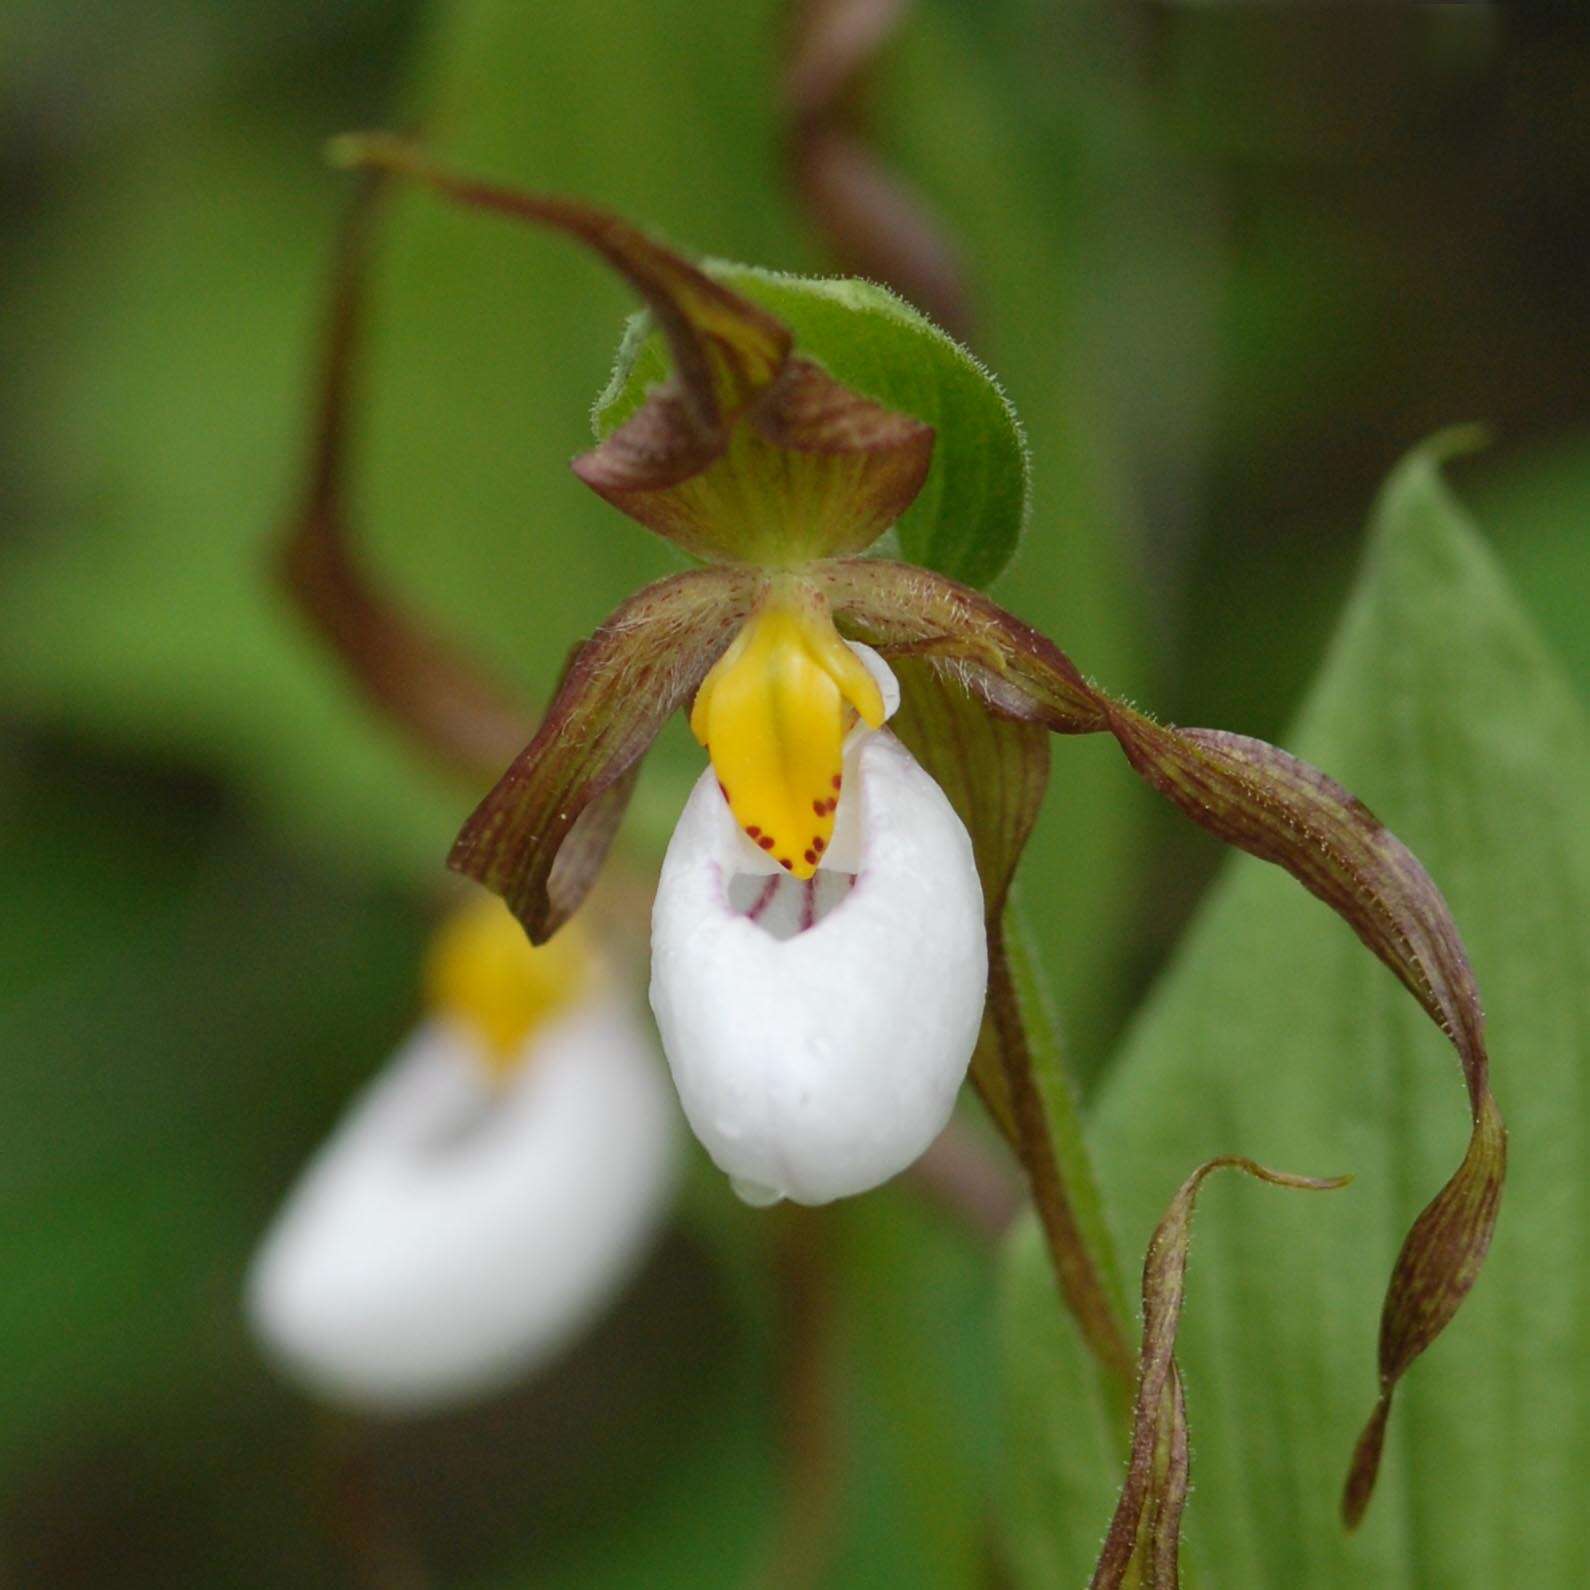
(1146, 1528)
(539, 837)
(1280, 809)
(440, 698)
(817, 469)
(724, 348)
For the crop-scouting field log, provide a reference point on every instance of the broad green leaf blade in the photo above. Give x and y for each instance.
(968, 517)
(1274, 1035)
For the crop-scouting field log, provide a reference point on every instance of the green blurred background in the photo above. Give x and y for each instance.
(1229, 265)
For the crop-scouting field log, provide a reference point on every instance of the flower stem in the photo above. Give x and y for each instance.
(1050, 1142)
(812, 1436)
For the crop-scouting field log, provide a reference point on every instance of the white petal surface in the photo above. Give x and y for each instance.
(456, 1231)
(815, 1063)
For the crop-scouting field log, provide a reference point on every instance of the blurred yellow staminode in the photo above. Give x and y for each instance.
(482, 973)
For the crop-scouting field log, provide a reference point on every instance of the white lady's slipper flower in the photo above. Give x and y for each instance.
(486, 1196)
(818, 952)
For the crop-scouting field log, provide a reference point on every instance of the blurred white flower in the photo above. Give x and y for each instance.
(486, 1196)
(818, 1017)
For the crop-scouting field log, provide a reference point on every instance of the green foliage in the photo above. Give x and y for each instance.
(1274, 1034)
(178, 1034)
(969, 515)
(166, 431)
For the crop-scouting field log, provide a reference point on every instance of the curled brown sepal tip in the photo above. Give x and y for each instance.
(1439, 1263)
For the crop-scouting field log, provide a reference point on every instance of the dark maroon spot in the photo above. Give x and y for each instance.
(722, 790)
(811, 858)
(820, 807)
(819, 844)
(753, 830)
(838, 781)
(766, 841)
(784, 861)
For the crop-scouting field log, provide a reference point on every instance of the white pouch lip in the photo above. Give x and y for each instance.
(818, 1065)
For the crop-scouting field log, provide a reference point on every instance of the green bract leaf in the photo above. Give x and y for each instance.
(968, 515)
(1274, 1036)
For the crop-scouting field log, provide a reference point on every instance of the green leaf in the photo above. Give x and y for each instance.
(968, 517)
(1274, 1035)
(191, 1012)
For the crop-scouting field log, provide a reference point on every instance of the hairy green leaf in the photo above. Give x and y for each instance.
(968, 516)
(1273, 1035)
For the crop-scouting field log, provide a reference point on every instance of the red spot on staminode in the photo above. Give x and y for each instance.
(819, 844)
(766, 841)
(753, 830)
(785, 862)
(811, 858)
(838, 782)
(820, 807)
(723, 789)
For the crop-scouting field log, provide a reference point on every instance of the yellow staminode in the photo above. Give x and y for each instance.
(773, 714)
(482, 972)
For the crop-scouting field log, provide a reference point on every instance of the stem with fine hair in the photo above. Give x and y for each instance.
(1054, 1154)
